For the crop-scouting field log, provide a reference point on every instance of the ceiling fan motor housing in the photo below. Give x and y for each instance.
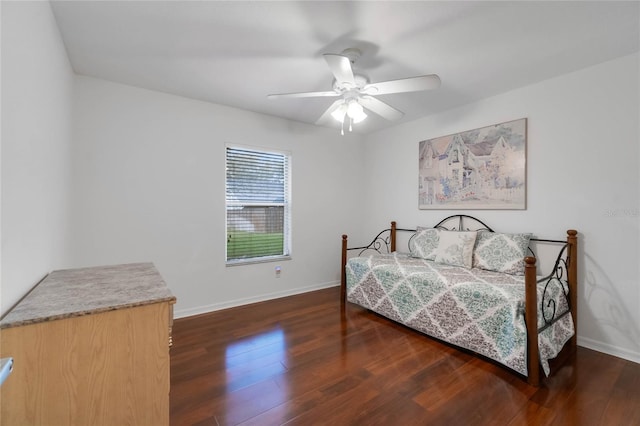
(360, 79)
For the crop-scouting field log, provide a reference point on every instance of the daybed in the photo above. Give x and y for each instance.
(469, 286)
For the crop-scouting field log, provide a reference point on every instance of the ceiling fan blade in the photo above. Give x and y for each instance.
(378, 107)
(413, 84)
(340, 67)
(326, 118)
(303, 95)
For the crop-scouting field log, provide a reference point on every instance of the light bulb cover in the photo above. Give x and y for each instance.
(358, 118)
(339, 113)
(356, 112)
(354, 109)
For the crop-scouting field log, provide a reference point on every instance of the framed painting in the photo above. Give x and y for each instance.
(477, 169)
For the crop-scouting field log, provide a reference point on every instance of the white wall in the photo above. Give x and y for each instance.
(36, 113)
(148, 185)
(583, 160)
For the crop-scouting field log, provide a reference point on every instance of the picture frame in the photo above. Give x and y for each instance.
(483, 168)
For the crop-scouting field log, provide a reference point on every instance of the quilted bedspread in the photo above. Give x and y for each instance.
(479, 310)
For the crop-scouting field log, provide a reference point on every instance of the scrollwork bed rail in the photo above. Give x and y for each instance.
(564, 269)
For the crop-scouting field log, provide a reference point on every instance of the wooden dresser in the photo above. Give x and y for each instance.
(90, 347)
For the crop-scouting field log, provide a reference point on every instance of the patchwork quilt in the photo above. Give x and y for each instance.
(479, 310)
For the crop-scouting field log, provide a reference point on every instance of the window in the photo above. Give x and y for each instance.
(258, 205)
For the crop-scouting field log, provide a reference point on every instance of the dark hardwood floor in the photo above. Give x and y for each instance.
(299, 361)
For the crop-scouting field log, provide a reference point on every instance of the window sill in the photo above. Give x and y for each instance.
(240, 262)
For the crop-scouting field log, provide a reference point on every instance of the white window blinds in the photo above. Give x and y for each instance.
(257, 200)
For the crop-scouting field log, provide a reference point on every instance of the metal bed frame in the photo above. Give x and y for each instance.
(564, 269)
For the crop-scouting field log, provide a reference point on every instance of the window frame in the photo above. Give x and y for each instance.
(287, 228)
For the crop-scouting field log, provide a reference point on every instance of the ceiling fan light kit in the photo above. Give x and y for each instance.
(357, 92)
(350, 109)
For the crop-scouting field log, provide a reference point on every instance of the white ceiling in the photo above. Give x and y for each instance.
(235, 53)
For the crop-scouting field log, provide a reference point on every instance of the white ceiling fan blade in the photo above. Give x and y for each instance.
(303, 95)
(340, 67)
(326, 118)
(413, 84)
(378, 107)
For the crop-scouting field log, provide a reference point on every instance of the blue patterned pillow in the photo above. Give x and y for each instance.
(456, 248)
(501, 252)
(425, 243)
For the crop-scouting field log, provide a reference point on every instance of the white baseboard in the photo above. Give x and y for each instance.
(609, 349)
(181, 313)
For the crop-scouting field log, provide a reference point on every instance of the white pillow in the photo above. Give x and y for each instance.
(425, 243)
(501, 252)
(456, 248)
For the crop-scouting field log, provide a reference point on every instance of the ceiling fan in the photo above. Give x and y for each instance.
(357, 93)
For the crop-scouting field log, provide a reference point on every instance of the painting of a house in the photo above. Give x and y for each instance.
(477, 169)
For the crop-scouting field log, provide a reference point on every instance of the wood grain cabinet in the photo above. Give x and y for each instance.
(90, 347)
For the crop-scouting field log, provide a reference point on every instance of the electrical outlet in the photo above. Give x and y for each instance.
(278, 271)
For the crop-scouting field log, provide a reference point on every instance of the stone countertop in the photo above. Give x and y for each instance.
(75, 292)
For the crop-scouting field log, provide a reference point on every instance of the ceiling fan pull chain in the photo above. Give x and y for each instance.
(350, 124)
(342, 128)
